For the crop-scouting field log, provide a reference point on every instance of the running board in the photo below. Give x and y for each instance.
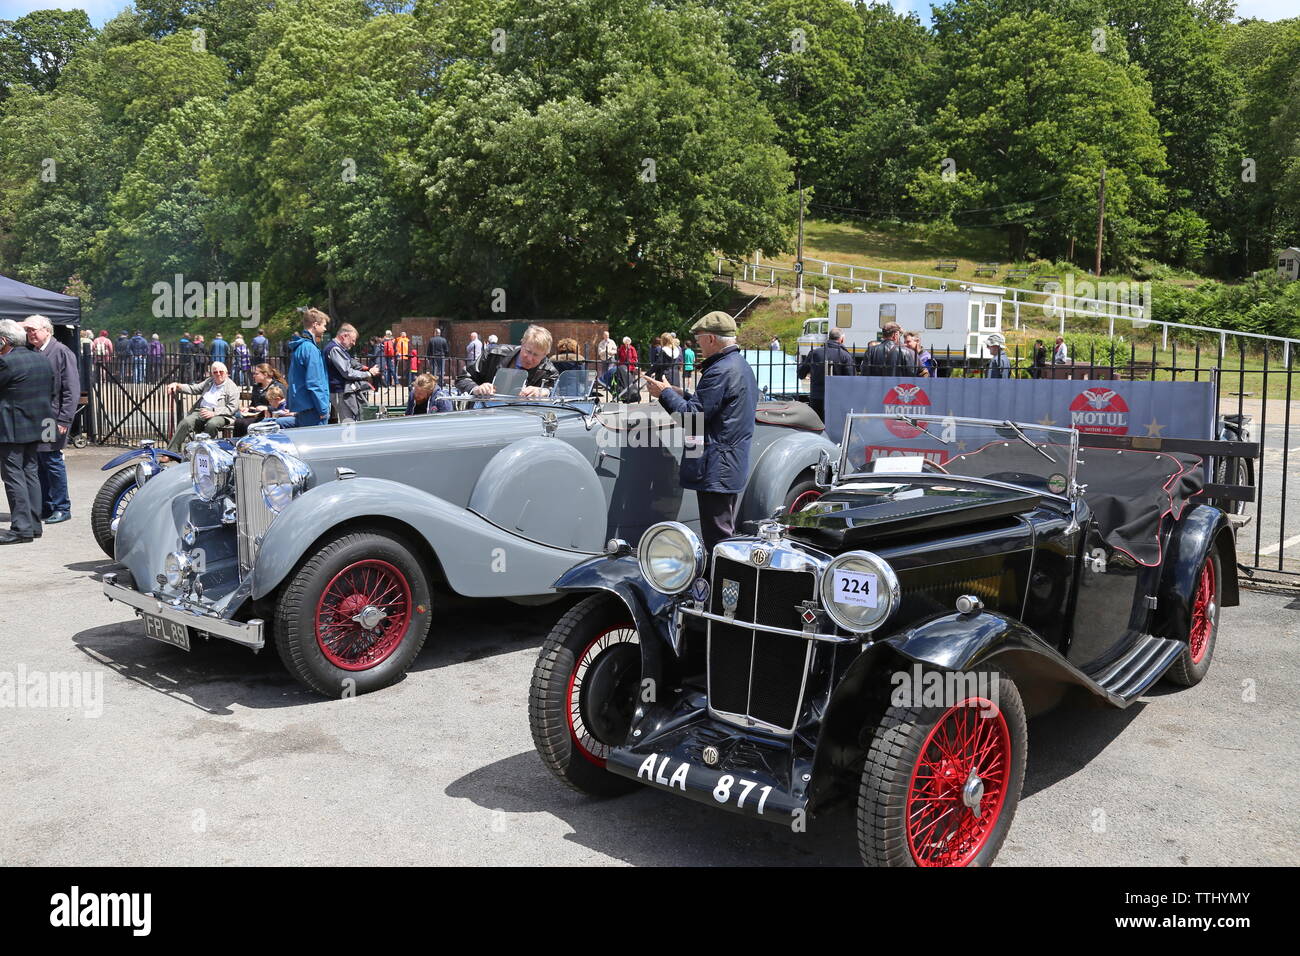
(1125, 679)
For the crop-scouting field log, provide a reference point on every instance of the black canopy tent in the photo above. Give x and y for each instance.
(19, 300)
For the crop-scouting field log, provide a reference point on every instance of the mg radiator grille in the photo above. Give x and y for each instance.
(751, 673)
(253, 516)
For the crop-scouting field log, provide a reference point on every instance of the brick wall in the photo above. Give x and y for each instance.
(457, 332)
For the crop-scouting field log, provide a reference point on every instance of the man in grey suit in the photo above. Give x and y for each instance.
(26, 392)
(56, 506)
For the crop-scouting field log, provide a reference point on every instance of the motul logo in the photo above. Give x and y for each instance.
(1100, 410)
(905, 399)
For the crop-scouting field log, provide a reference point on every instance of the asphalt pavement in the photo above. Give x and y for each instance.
(219, 757)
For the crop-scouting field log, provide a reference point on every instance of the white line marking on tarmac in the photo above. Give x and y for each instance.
(1274, 548)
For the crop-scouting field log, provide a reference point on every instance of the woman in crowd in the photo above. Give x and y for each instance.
(259, 406)
(671, 351)
(240, 360)
(426, 397)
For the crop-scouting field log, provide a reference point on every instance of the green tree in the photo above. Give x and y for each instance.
(599, 159)
(58, 164)
(35, 48)
(1032, 118)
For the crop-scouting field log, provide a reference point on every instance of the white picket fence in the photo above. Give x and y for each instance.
(1052, 303)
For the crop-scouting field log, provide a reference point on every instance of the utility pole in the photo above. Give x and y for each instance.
(1101, 216)
(799, 254)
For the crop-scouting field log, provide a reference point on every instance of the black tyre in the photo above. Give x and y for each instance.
(1203, 626)
(583, 694)
(114, 495)
(940, 785)
(801, 494)
(353, 616)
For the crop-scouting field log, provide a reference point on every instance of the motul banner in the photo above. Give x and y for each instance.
(1141, 409)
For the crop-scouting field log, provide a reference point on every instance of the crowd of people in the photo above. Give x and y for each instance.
(136, 359)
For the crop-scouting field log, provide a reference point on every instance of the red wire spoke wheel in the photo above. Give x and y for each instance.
(940, 784)
(1202, 613)
(602, 692)
(803, 500)
(584, 694)
(362, 614)
(1202, 625)
(958, 785)
(353, 615)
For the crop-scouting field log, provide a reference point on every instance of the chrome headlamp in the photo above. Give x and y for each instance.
(144, 470)
(859, 590)
(176, 568)
(283, 477)
(670, 556)
(210, 469)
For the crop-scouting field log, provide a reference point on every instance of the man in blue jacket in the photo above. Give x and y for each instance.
(726, 397)
(220, 349)
(309, 385)
(139, 353)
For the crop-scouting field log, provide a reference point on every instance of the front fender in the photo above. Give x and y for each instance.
(621, 576)
(778, 465)
(151, 453)
(952, 642)
(478, 558)
(1202, 528)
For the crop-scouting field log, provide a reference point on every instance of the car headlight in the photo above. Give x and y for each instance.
(145, 470)
(176, 566)
(283, 476)
(671, 557)
(210, 469)
(859, 591)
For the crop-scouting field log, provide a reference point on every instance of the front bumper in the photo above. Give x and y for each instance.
(753, 776)
(247, 633)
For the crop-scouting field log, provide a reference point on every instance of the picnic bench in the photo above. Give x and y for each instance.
(1017, 275)
(1041, 281)
(987, 269)
(946, 265)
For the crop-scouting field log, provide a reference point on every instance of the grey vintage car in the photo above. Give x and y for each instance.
(333, 542)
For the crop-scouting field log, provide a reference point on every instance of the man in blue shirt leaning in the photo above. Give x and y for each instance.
(309, 386)
(726, 397)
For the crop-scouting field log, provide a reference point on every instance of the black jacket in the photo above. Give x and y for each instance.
(815, 363)
(438, 347)
(889, 358)
(726, 397)
(26, 395)
(67, 388)
(503, 356)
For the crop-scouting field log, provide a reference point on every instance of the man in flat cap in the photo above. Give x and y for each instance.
(725, 396)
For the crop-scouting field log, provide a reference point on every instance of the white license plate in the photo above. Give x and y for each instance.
(169, 632)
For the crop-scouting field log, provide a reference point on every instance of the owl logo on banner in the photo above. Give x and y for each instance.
(906, 399)
(1100, 410)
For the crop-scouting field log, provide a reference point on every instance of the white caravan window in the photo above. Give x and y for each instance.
(844, 315)
(888, 313)
(934, 315)
(990, 315)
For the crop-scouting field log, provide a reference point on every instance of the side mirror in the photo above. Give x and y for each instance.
(824, 475)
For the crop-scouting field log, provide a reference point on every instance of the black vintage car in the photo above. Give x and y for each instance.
(886, 643)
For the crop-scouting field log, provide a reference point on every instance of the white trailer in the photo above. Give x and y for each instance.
(957, 322)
